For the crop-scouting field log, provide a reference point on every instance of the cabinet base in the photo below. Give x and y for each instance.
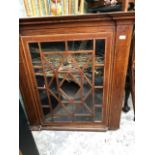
(99, 128)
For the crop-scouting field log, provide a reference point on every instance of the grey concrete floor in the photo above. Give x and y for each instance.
(118, 142)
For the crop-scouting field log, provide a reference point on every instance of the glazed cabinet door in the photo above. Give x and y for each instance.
(70, 76)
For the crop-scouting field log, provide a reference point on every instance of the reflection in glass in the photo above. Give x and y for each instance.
(68, 79)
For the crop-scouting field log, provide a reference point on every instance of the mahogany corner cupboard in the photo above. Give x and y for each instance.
(73, 69)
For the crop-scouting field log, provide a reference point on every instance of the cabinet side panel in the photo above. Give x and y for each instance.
(122, 48)
(25, 89)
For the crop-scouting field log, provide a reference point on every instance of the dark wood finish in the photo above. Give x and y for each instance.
(119, 73)
(130, 78)
(132, 72)
(115, 28)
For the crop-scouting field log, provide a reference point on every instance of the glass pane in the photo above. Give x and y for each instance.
(38, 71)
(98, 114)
(46, 111)
(37, 62)
(89, 101)
(54, 101)
(99, 73)
(35, 55)
(83, 60)
(70, 107)
(71, 89)
(83, 118)
(40, 81)
(80, 45)
(100, 51)
(52, 84)
(98, 97)
(62, 119)
(43, 97)
(53, 46)
(53, 61)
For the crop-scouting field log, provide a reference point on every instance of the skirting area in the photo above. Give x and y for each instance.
(119, 142)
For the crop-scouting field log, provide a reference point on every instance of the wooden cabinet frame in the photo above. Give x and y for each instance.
(116, 29)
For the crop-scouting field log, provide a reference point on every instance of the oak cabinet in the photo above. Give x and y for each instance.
(73, 68)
